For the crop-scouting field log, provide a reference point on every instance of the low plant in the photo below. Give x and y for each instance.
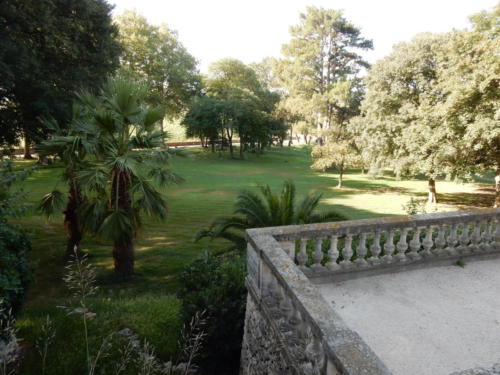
(414, 206)
(9, 343)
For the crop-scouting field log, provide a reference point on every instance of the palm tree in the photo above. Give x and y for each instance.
(129, 171)
(72, 146)
(252, 210)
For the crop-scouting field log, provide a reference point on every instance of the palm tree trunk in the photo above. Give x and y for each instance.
(432, 191)
(123, 256)
(123, 247)
(74, 231)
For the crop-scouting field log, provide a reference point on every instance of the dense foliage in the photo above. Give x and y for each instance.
(154, 55)
(432, 105)
(236, 104)
(15, 244)
(216, 286)
(48, 50)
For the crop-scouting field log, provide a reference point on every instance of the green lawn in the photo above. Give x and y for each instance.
(146, 303)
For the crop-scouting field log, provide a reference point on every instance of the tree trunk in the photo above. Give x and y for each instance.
(27, 147)
(241, 149)
(231, 151)
(123, 246)
(74, 232)
(497, 188)
(123, 256)
(341, 175)
(432, 191)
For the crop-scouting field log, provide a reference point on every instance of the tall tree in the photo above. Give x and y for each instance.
(72, 145)
(469, 78)
(244, 105)
(48, 50)
(403, 125)
(130, 169)
(155, 55)
(320, 58)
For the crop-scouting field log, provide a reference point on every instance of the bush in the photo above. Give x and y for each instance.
(15, 272)
(216, 285)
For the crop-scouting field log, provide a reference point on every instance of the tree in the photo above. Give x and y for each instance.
(130, 168)
(319, 60)
(235, 104)
(203, 120)
(469, 79)
(337, 155)
(266, 210)
(403, 125)
(72, 145)
(155, 55)
(48, 51)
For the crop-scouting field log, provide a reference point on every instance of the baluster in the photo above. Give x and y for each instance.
(427, 243)
(333, 254)
(389, 247)
(487, 235)
(361, 251)
(347, 252)
(415, 245)
(318, 255)
(452, 240)
(496, 237)
(476, 236)
(402, 246)
(375, 249)
(302, 255)
(464, 239)
(440, 240)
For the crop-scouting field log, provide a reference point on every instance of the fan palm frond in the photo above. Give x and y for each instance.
(164, 177)
(148, 198)
(266, 209)
(52, 203)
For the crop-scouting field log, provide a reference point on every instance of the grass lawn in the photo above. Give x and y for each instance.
(147, 302)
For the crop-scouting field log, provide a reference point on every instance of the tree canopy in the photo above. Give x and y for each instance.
(48, 51)
(321, 61)
(432, 105)
(154, 55)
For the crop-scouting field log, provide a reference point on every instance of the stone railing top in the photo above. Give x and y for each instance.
(296, 232)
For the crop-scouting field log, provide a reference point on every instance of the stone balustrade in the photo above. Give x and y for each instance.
(291, 329)
(371, 246)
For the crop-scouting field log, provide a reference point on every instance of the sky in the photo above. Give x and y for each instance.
(250, 30)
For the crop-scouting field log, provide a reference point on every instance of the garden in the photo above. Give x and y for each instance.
(127, 184)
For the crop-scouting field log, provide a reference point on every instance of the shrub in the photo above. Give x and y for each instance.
(14, 242)
(216, 285)
(15, 272)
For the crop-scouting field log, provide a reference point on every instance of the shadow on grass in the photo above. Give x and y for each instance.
(483, 198)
